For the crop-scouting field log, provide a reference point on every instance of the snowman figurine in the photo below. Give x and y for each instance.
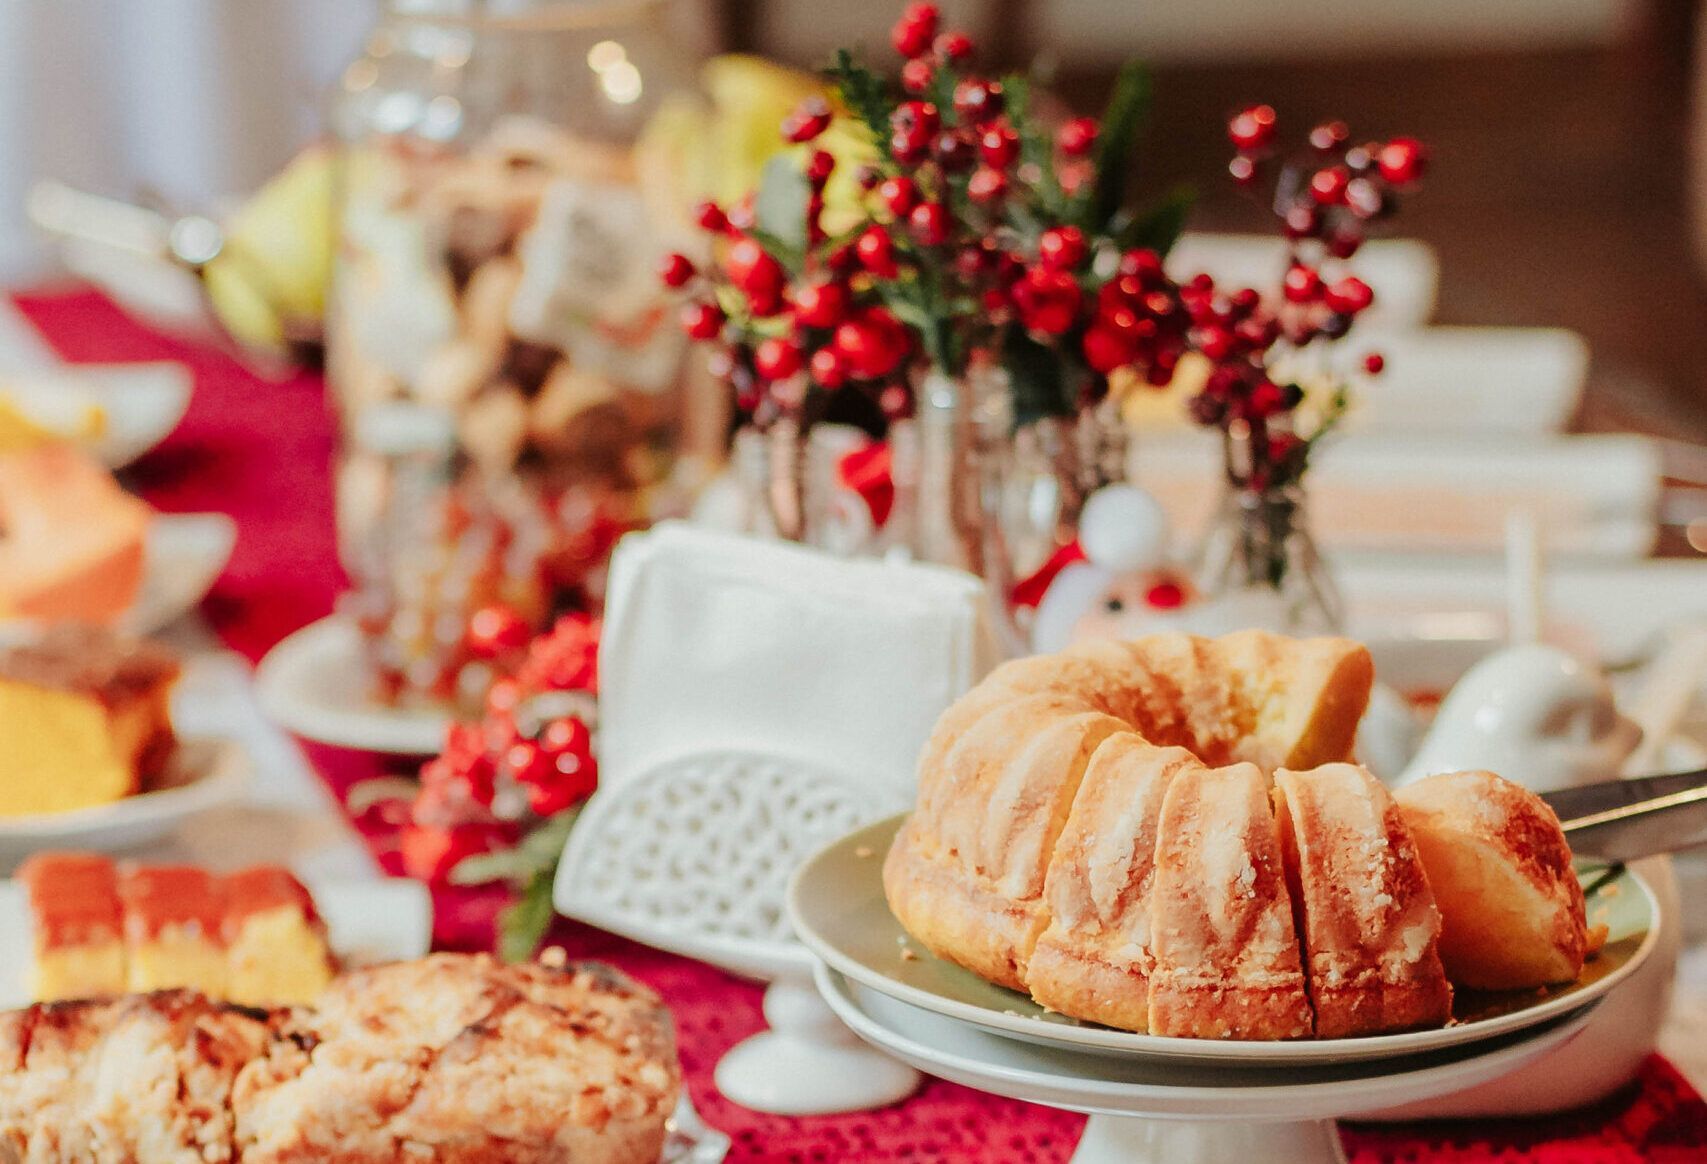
(1117, 581)
(1113, 579)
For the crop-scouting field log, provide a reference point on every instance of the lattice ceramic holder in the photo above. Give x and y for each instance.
(693, 856)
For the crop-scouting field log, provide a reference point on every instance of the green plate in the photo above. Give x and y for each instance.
(836, 904)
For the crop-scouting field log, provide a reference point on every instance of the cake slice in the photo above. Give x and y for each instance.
(85, 717)
(275, 942)
(71, 540)
(1227, 959)
(1366, 914)
(172, 920)
(77, 939)
(1512, 912)
(1095, 959)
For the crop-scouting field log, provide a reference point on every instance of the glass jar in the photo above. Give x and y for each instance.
(1260, 562)
(500, 231)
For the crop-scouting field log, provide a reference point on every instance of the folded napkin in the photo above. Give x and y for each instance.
(718, 641)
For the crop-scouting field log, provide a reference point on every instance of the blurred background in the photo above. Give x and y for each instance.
(1562, 129)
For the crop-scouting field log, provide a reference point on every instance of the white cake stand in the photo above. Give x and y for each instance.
(1162, 1100)
(1181, 1111)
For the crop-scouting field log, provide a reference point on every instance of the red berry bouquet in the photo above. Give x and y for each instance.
(985, 240)
(498, 802)
(1280, 366)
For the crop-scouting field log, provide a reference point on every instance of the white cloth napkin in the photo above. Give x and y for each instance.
(720, 641)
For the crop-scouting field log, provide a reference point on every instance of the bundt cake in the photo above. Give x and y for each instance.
(1166, 835)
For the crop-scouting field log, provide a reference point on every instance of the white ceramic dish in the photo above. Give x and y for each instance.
(204, 773)
(836, 904)
(1595, 496)
(1516, 381)
(184, 555)
(316, 683)
(140, 404)
(1059, 1076)
(382, 920)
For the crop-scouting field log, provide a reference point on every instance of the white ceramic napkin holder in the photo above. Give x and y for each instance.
(757, 701)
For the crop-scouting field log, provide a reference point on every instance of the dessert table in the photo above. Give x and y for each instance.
(260, 451)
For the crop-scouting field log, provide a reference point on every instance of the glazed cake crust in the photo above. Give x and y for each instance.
(1367, 915)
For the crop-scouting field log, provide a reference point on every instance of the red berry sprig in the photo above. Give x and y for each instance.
(1325, 197)
(530, 757)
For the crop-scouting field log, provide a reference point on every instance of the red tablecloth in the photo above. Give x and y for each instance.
(260, 452)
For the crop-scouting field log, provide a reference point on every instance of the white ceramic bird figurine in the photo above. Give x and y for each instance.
(1534, 714)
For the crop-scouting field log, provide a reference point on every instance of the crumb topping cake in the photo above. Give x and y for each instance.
(1168, 835)
(454, 1059)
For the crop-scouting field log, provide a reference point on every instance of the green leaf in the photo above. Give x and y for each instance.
(498, 865)
(1159, 226)
(1128, 107)
(864, 93)
(522, 924)
(941, 93)
(1036, 374)
(779, 207)
(537, 852)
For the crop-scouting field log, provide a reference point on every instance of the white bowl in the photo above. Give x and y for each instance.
(204, 772)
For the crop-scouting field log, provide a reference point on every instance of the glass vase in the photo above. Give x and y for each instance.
(1260, 563)
(499, 229)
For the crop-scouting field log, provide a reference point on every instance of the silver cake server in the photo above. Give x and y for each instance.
(1623, 820)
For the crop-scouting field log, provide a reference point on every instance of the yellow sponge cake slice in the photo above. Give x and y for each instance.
(84, 714)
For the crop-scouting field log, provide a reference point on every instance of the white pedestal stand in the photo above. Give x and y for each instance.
(694, 857)
(1175, 1110)
(1130, 1140)
(808, 1062)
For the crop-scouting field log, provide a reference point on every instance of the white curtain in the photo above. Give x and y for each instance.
(189, 100)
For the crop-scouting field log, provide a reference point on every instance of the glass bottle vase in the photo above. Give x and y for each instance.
(1259, 560)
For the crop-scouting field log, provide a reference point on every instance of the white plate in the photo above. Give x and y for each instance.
(1060, 1077)
(382, 920)
(203, 773)
(317, 684)
(1514, 381)
(837, 907)
(1475, 382)
(183, 556)
(141, 403)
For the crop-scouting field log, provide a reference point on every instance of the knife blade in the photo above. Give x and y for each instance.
(1624, 820)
